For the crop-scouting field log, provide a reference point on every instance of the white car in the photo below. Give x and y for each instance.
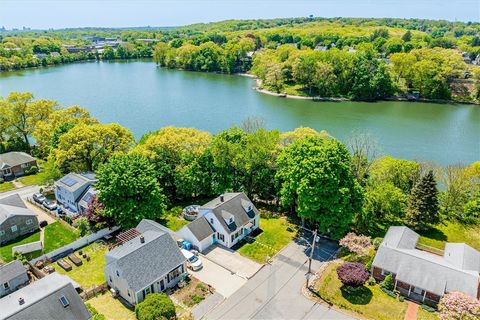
(193, 262)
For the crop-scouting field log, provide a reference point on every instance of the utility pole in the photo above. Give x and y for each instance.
(311, 255)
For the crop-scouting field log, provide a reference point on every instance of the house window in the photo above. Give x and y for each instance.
(233, 237)
(64, 301)
(118, 274)
(417, 290)
(2, 233)
(110, 278)
(128, 292)
(29, 221)
(220, 237)
(231, 219)
(253, 222)
(14, 228)
(211, 220)
(385, 272)
(6, 285)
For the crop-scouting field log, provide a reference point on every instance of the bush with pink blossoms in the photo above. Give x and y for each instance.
(459, 306)
(353, 274)
(358, 244)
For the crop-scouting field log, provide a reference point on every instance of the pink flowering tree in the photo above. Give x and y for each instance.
(459, 306)
(358, 244)
(352, 274)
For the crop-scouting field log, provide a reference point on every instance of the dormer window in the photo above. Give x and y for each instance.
(231, 220)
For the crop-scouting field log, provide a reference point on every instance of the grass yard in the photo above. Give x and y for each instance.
(6, 251)
(369, 302)
(173, 219)
(57, 235)
(6, 186)
(37, 179)
(452, 232)
(89, 273)
(111, 308)
(277, 233)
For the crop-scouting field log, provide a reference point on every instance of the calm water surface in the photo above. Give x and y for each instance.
(143, 98)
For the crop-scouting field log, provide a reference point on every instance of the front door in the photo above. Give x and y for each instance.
(214, 238)
(162, 285)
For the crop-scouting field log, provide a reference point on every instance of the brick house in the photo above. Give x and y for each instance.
(14, 164)
(424, 276)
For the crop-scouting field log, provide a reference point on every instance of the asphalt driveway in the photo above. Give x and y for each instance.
(224, 281)
(233, 261)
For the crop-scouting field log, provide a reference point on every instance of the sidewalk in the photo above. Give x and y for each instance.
(412, 310)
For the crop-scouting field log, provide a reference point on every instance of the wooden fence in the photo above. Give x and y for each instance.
(92, 292)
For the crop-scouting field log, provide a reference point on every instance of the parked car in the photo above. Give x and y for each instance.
(50, 205)
(43, 223)
(39, 198)
(193, 262)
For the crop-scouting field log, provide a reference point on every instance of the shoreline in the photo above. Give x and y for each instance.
(259, 89)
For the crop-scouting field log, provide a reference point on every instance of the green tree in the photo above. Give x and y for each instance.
(85, 147)
(403, 174)
(129, 190)
(156, 306)
(315, 179)
(422, 210)
(407, 36)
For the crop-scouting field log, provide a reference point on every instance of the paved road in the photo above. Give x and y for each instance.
(275, 291)
(23, 192)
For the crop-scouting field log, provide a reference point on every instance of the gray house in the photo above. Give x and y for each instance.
(150, 262)
(70, 190)
(15, 219)
(424, 276)
(52, 297)
(12, 276)
(226, 220)
(14, 164)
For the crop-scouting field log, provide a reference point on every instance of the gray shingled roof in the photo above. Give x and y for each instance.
(42, 301)
(150, 225)
(13, 206)
(200, 228)
(425, 270)
(235, 204)
(140, 264)
(11, 271)
(13, 159)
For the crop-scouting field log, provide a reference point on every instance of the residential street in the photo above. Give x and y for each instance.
(22, 192)
(275, 291)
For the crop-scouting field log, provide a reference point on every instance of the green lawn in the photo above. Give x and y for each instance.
(38, 179)
(452, 232)
(6, 251)
(57, 235)
(89, 273)
(277, 233)
(173, 219)
(368, 302)
(6, 186)
(111, 308)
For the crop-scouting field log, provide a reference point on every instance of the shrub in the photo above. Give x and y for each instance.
(459, 306)
(155, 306)
(371, 281)
(388, 283)
(82, 225)
(376, 242)
(401, 298)
(352, 274)
(94, 313)
(428, 308)
(358, 244)
(31, 170)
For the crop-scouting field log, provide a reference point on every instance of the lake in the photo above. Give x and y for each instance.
(143, 98)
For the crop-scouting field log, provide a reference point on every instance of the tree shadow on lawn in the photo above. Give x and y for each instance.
(434, 233)
(358, 296)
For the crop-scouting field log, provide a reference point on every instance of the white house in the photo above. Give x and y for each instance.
(70, 190)
(150, 262)
(226, 220)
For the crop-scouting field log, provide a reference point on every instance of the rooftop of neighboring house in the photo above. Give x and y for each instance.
(13, 206)
(75, 181)
(232, 209)
(52, 297)
(146, 257)
(87, 196)
(14, 158)
(457, 270)
(200, 228)
(11, 271)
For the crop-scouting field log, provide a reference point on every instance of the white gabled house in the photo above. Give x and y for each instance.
(225, 220)
(71, 190)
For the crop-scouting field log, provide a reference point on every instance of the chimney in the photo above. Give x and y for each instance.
(21, 301)
(222, 198)
(142, 239)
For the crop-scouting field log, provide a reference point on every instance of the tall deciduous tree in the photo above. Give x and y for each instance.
(422, 210)
(85, 147)
(316, 180)
(129, 190)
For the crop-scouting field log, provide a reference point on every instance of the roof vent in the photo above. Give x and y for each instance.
(142, 239)
(222, 198)
(21, 301)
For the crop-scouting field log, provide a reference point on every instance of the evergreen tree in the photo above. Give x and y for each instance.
(423, 203)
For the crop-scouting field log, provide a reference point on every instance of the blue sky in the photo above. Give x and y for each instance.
(111, 13)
